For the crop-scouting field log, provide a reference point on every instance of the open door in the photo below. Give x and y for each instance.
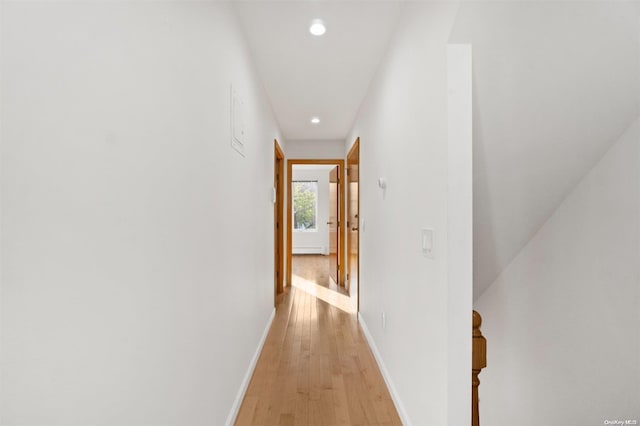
(353, 221)
(334, 225)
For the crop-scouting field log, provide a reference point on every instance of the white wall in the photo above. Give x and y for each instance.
(555, 83)
(459, 229)
(402, 126)
(314, 242)
(562, 320)
(315, 149)
(137, 247)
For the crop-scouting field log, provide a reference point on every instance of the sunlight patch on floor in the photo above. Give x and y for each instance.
(333, 298)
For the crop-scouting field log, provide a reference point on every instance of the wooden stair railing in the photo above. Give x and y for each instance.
(478, 362)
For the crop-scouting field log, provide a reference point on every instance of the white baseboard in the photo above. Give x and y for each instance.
(307, 250)
(247, 377)
(404, 417)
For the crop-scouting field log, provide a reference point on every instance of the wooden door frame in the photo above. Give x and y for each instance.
(278, 209)
(341, 212)
(355, 147)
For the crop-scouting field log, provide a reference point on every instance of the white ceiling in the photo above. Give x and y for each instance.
(555, 84)
(325, 76)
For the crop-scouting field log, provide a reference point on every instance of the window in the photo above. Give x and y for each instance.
(305, 205)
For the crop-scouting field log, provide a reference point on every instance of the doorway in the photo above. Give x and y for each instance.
(315, 230)
(353, 221)
(278, 226)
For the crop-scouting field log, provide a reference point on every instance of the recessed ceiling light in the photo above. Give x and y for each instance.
(317, 27)
(315, 120)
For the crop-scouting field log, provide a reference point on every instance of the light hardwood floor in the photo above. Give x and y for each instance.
(314, 268)
(316, 368)
(310, 273)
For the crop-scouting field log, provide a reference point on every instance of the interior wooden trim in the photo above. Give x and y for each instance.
(278, 242)
(341, 203)
(279, 152)
(354, 151)
(355, 147)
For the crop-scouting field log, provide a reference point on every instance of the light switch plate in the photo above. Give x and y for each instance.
(427, 243)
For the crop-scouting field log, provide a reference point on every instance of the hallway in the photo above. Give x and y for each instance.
(316, 368)
(488, 159)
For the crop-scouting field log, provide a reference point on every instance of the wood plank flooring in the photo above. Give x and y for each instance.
(314, 268)
(316, 368)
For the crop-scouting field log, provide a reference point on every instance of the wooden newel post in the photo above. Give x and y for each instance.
(478, 362)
